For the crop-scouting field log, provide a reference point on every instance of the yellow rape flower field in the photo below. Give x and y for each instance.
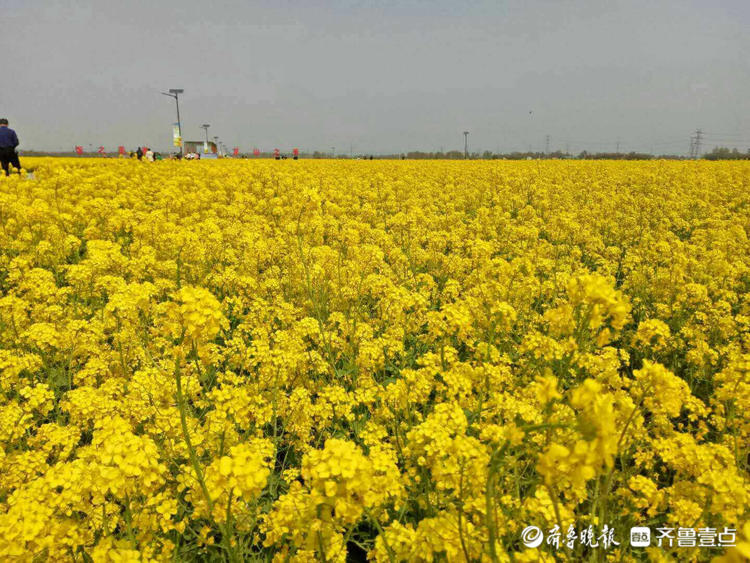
(382, 360)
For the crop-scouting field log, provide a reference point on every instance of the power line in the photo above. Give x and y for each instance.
(726, 135)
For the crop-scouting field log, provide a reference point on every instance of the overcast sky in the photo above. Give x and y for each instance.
(379, 76)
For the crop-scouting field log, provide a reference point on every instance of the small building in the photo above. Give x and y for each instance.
(199, 146)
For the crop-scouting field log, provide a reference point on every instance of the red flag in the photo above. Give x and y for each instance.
(256, 151)
(121, 149)
(79, 150)
(295, 152)
(236, 151)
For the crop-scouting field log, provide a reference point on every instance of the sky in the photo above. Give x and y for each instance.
(379, 76)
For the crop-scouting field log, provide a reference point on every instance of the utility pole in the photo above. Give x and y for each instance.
(175, 93)
(546, 145)
(466, 145)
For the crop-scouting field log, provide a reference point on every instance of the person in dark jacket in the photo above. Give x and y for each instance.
(8, 144)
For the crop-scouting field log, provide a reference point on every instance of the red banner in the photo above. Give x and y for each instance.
(121, 149)
(256, 151)
(236, 151)
(79, 150)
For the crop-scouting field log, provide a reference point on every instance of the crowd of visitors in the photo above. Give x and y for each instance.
(150, 155)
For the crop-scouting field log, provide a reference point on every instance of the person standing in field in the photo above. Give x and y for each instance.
(8, 144)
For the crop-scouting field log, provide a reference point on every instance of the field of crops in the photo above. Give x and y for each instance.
(394, 361)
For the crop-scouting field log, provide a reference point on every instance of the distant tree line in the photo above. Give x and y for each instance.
(518, 155)
(723, 153)
(718, 153)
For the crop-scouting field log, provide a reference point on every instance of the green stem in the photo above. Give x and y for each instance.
(381, 532)
(194, 459)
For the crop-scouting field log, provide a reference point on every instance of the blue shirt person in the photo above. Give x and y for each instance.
(8, 144)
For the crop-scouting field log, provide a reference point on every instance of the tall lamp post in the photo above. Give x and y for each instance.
(175, 93)
(205, 127)
(466, 145)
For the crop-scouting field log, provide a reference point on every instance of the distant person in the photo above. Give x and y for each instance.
(150, 155)
(8, 144)
(139, 153)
